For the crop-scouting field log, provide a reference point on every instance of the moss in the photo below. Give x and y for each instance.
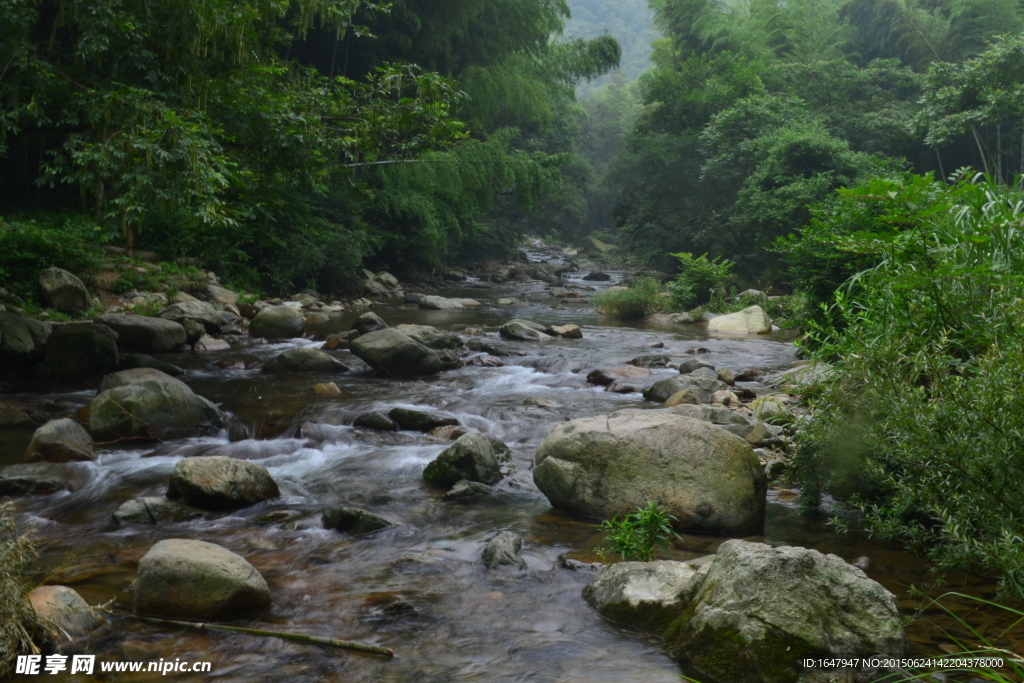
(647, 616)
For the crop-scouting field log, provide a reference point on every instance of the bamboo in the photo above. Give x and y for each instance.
(296, 637)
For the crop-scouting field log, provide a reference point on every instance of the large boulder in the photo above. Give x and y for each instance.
(304, 360)
(431, 337)
(750, 429)
(369, 322)
(61, 440)
(396, 354)
(217, 482)
(200, 311)
(703, 387)
(471, 457)
(198, 580)
(141, 333)
(221, 295)
(752, 320)
(147, 404)
(63, 291)
(17, 345)
(611, 465)
(751, 613)
(277, 322)
(78, 351)
(64, 613)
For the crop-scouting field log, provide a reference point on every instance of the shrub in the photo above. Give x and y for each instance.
(27, 248)
(698, 280)
(920, 426)
(17, 617)
(635, 536)
(642, 298)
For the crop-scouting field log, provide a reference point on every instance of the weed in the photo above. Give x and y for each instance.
(642, 298)
(17, 618)
(635, 536)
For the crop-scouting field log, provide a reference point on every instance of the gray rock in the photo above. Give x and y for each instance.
(36, 478)
(431, 337)
(220, 483)
(690, 364)
(304, 360)
(705, 372)
(277, 322)
(140, 333)
(78, 351)
(752, 320)
(644, 595)
(605, 376)
(148, 404)
(377, 421)
(63, 291)
(354, 520)
(414, 297)
(369, 322)
(386, 279)
(194, 330)
(504, 549)
(14, 416)
(198, 580)
(524, 330)
(64, 613)
(471, 457)
(17, 345)
(467, 490)
(208, 344)
(597, 276)
(703, 387)
(753, 431)
(420, 420)
(439, 303)
(612, 464)
(651, 361)
(61, 440)
(396, 354)
(221, 295)
(486, 360)
(566, 331)
(200, 311)
(726, 375)
(152, 510)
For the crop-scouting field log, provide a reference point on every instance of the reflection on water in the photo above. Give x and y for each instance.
(469, 624)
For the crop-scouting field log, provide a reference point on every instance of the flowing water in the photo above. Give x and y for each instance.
(469, 623)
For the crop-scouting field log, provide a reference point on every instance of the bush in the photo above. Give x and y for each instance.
(920, 427)
(642, 298)
(635, 536)
(26, 248)
(17, 617)
(698, 280)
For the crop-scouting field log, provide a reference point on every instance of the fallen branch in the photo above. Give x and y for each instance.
(297, 637)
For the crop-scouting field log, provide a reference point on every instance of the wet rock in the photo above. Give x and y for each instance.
(506, 302)
(752, 320)
(277, 322)
(221, 295)
(644, 595)
(326, 389)
(141, 360)
(14, 416)
(431, 337)
(447, 432)
(472, 457)
(147, 404)
(768, 407)
(684, 397)
(198, 580)
(64, 613)
(396, 354)
(200, 311)
(540, 402)
(420, 420)
(151, 510)
(61, 440)
(597, 276)
(36, 478)
(504, 549)
(304, 360)
(690, 364)
(751, 430)
(194, 330)
(524, 330)
(439, 303)
(726, 375)
(354, 520)
(414, 297)
(699, 350)
(467, 490)
(340, 341)
(703, 387)
(17, 343)
(610, 465)
(217, 482)
(605, 376)
(749, 375)
(651, 361)
(630, 386)
(63, 291)
(486, 360)
(377, 421)
(566, 331)
(369, 322)
(208, 344)
(141, 333)
(77, 351)
(705, 372)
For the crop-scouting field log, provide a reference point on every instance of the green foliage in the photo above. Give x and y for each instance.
(641, 298)
(28, 247)
(919, 428)
(635, 536)
(17, 618)
(699, 278)
(629, 21)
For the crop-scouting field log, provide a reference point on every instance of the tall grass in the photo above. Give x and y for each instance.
(16, 615)
(642, 298)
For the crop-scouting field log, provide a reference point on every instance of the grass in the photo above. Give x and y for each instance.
(642, 298)
(634, 537)
(17, 618)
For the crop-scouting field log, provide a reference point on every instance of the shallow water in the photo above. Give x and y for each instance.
(470, 624)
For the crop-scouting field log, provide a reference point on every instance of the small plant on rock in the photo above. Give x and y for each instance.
(635, 536)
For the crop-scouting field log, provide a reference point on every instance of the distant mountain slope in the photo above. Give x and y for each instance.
(628, 21)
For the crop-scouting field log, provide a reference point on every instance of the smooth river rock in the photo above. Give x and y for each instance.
(200, 311)
(304, 360)
(63, 291)
(63, 440)
(277, 322)
(77, 351)
(703, 387)
(220, 483)
(752, 320)
(145, 334)
(610, 465)
(471, 458)
(354, 520)
(64, 612)
(396, 354)
(198, 580)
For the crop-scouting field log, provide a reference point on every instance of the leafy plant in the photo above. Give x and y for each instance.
(635, 536)
(641, 298)
(698, 281)
(61, 241)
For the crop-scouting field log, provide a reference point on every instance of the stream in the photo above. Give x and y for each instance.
(468, 623)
